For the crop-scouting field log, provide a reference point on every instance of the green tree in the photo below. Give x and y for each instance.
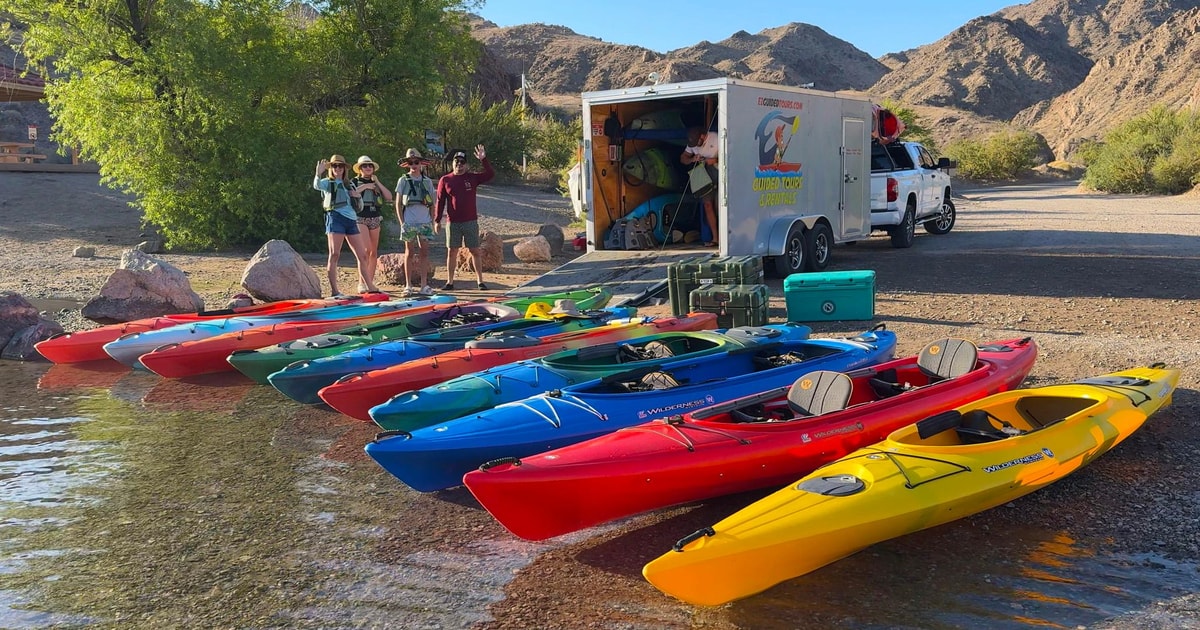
(1002, 155)
(914, 125)
(213, 113)
(499, 127)
(1158, 151)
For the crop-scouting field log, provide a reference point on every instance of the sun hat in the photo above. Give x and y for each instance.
(412, 156)
(364, 159)
(337, 159)
(565, 307)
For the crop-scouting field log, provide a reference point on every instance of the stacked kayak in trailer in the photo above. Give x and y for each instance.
(438, 456)
(303, 381)
(945, 467)
(464, 393)
(759, 441)
(88, 345)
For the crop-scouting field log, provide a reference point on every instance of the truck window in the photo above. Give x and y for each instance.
(926, 159)
(900, 156)
(880, 161)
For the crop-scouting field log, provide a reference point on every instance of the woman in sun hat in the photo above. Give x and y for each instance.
(341, 222)
(414, 198)
(370, 216)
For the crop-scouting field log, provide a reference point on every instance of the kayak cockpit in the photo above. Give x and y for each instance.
(1006, 417)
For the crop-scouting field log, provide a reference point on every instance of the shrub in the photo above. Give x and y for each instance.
(914, 126)
(1156, 152)
(1002, 155)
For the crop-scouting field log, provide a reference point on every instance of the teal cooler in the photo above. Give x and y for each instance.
(733, 304)
(688, 275)
(830, 296)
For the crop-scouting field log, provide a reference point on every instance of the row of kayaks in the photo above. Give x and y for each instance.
(558, 422)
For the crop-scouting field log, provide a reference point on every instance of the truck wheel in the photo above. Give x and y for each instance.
(904, 234)
(820, 247)
(943, 221)
(795, 254)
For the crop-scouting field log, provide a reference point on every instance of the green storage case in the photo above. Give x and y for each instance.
(830, 296)
(688, 275)
(733, 304)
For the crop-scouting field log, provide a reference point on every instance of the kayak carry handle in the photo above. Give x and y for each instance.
(696, 535)
(383, 435)
(515, 461)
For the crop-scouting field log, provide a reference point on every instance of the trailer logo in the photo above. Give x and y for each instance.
(775, 179)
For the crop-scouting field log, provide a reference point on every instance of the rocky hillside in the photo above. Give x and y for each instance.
(1068, 69)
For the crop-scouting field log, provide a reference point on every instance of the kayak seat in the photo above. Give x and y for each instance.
(947, 358)
(977, 428)
(819, 392)
(659, 380)
(886, 384)
(652, 350)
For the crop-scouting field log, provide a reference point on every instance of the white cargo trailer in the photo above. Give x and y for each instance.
(793, 167)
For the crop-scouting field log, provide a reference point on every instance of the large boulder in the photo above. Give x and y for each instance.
(21, 346)
(277, 272)
(142, 286)
(16, 314)
(391, 267)
(534, 249)
(554, 236)
(491, 248)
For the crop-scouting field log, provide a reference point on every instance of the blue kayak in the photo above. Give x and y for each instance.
(436, 457)
(301, 381)
(486, 389)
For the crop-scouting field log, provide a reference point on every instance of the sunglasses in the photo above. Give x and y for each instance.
(337, 166)
(367, 166)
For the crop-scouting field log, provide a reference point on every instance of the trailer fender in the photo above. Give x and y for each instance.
(777, 237)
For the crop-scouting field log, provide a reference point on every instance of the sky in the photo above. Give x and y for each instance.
(873, 26)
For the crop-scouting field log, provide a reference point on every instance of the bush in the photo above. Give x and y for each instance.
(1003, 155)
(914, 126)
(498, 127)
(1157, 152)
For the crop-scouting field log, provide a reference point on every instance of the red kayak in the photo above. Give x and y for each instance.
(88, 345)
(768, 439)
(209, 355)
(355, 394)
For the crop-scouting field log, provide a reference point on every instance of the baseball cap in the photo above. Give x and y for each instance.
(459, 155)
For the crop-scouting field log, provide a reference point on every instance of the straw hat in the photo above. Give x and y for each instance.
(364, 159)
(565, 307)
(337, 159)
(412, 156)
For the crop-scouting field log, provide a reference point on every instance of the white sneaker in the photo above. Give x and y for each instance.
(427, 290)
(407, 291)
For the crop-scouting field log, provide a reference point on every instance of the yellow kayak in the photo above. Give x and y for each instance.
(940, 469)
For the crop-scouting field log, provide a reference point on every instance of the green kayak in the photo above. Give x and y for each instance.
(261, 363)
(585, 299)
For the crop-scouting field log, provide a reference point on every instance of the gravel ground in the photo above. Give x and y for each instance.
(1100, 282)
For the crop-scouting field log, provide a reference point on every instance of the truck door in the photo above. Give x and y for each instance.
(854, 214)
(933, 183)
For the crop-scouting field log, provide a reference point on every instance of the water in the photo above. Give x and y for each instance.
(129, 500)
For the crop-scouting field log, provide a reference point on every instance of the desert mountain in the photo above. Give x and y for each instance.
(1159, 68)
(1068, 69)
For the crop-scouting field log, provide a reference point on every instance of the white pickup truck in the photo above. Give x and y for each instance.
(908, 187)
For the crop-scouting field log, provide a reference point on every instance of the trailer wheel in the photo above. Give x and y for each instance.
(943, 221)
(820, 247)
(795, 254)
(904, 234)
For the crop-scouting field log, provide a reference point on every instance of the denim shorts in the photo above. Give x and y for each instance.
(335, 223)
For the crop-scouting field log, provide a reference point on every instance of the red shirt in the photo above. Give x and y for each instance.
(456, 194)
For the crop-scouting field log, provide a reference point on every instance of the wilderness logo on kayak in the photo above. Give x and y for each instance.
(658, 411)
(1045, 453)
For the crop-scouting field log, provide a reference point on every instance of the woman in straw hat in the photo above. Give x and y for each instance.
(370, 215)
(414, 198)
(341, 221)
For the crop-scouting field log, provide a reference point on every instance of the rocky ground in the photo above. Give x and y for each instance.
(1100, 282)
